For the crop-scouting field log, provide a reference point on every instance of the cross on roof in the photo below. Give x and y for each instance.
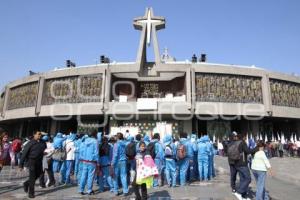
(149, 20)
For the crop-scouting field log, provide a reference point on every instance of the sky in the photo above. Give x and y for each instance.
(40, 35)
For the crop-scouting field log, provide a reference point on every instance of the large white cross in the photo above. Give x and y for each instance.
(149, 22)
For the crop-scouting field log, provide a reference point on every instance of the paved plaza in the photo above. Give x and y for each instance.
(285, 185)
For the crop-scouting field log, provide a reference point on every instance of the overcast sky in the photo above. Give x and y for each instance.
(40, 35)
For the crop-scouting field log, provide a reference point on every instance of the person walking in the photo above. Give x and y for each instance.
(237, 159)
(33, 153)
(260, 166)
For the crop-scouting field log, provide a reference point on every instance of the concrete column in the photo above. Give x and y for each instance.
(188, 87)
(40, 95)
(107, 92)
(5, 106)
(193, 89)
(266, 94)
(155, 46)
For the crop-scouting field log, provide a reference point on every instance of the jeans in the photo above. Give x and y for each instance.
(171, 172)
(233, 173)
(260, 178)
(69, 167)
(183, 167)
(245, 180)
(120, 170)
(87, 176)
(203, 168)
(105, 179)
(35, 170)
(158, 180)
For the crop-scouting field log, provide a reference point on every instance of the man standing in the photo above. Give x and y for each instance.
(237, 158)
(33, 153)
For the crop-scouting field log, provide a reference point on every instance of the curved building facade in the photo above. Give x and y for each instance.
(163, 95)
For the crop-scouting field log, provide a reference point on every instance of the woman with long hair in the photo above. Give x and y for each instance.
(6, 153)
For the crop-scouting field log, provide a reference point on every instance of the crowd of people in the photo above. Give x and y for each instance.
(113, 161)
(117, 162)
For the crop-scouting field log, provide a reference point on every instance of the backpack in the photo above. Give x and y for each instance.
(181, 151)
(168, 151)
(130, 150)
(104, 149)
(16, 146)
(151, 149)
(233, 150)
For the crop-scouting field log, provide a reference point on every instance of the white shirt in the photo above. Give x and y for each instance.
(70, 149)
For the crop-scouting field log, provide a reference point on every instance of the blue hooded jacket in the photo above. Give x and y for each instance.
(188, 146)
(209, 145)
(168, 140)
(203, 149)
(58, 141)
(146, 139)
(159, 150)
(119, 153)
(89, 149)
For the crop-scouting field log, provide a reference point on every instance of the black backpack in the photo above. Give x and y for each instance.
(151, 149)
(104, 149)
(131, 150)
(233, 150)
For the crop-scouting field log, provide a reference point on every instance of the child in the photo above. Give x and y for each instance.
(136, 187)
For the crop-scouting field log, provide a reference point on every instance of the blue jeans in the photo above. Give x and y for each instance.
(260, 178)
(211, 167)
(56, 166)
(87, 176)
(171, 172)
(159, 165)
(183, 166)
(105, 179)
(62, 171)
(69, 167)
(245, 179)
(203, 168)
(120, 170)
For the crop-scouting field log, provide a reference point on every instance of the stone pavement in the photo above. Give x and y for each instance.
(281, 187)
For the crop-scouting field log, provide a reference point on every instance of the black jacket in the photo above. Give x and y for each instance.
(33, 151)
(245, 151)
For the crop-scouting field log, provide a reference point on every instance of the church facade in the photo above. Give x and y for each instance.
(163, 95)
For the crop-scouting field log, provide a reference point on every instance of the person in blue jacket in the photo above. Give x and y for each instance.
(119, 163)
(170, 156)
(193, 172)
(183, 164)
(57, 144)
(80, 164)
(89, 156)
(203, 154)
(67, 165)
(105, 153)
(158, 160)
(146, 139)
(77, 142)
(212, 152)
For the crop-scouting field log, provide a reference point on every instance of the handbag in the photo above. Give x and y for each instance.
(59, 154)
